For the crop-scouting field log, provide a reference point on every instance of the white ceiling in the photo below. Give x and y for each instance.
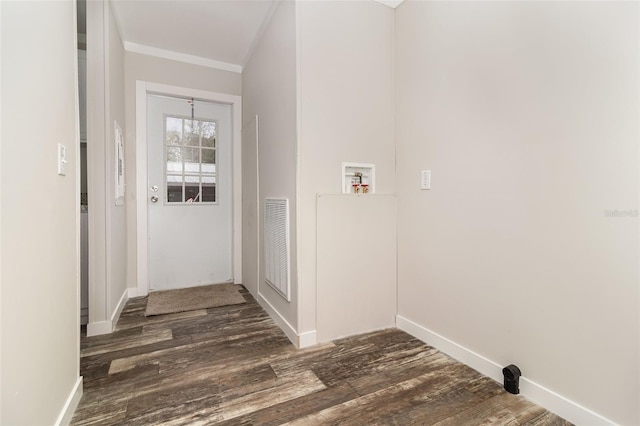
(220, 31)
(216, 33)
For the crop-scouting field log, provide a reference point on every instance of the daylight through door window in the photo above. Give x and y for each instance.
(190, 152)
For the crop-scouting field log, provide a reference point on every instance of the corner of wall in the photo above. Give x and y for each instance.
(287, 328)
(274, 175)
(105, 327)
(307, 339)
(69, 408)
(299, 340)
(537, 393)
(107, 220)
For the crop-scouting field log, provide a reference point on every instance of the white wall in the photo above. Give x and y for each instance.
(107, 222)
(96, 170)
(269, 91)
(356, 264)
(116, 217)
(527, 115)
(39, 280)
(163, 71)
(346, 113)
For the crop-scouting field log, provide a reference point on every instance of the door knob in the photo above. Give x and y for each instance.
(154, 199)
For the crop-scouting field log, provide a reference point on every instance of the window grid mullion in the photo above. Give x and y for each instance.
(200, 168)
(184, 166)
(181, 150)
(184, 189)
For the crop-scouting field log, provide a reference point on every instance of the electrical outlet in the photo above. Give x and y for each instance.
(425, 179)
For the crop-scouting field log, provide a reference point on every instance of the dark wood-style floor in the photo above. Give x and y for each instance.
(233, 365)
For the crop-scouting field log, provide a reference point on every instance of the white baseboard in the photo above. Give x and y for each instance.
(71, 404)
(106, 327)
(460, 353)
(98, 328)
(133, 292)
(119, 307)
(565, 408)
(308, 338)
(300, 341)
(279, 319)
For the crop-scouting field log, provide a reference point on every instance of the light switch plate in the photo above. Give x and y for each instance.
(62, 160)
(425, 179)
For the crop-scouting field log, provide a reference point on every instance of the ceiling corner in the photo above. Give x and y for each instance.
(391, 3)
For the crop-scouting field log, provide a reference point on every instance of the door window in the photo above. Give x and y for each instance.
(190, 153)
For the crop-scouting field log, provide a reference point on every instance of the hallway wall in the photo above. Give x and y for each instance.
(346, 111)
(324, 95)
(269, 91)
(116, 215)
(39, 214)
(107, 220)
(527, 115)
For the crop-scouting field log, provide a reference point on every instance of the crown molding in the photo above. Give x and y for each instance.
(181, 57)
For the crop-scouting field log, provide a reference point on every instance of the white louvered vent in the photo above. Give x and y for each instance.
(276, 245)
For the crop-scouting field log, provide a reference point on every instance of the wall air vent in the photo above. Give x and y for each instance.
(276, 245)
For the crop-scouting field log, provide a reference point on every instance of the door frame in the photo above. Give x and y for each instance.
(144, 88)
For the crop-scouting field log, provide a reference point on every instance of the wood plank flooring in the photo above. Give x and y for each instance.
(233, 366)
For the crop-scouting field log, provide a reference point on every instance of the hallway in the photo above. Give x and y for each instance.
(233, 365)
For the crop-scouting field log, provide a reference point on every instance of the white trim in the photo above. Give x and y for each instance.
(308, 338)
(99, 328)
(106, 327)
(569, 410)
(258, 228)
(564, 407)
(181, 57)
(132, 292)
(141, 190)
(65, 416)
(106, 127)
(236, 118)
(118, 310)
(462, 354)
(70, 405)
(303, 317)
(302, 340)
(1, 145)
(82, 314)
(142, 89)
(279, 319)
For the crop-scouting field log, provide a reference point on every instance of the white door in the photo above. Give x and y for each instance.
(189, 192)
